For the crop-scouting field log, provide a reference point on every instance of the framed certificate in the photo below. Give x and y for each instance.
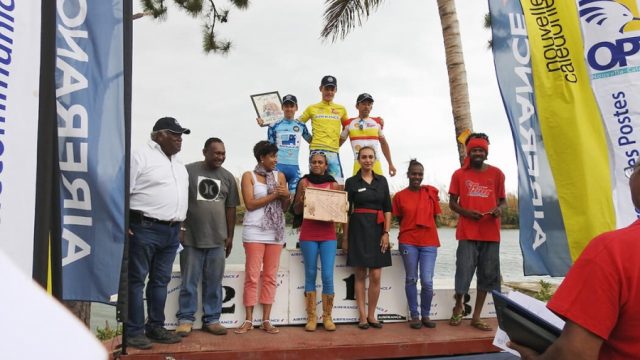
(268, 106)
(325, 205)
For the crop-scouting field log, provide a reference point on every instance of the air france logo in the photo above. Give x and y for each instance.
(208, 189)
(610, 20)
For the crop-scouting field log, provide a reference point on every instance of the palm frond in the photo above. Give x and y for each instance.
(342, 16)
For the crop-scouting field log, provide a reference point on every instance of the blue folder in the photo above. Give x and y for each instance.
(523, 326)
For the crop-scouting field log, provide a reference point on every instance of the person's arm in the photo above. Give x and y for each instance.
(497, 211)
(271, 134)
(344, 135)
(230, 216)
(247, 194)
(345, 226)
(387, 207)
(384, 239)
(396, 208)
(436, 204)
(283, 192)
(575, 342)
(298, 200)
(305, 133)
(454, 205)
(306, 115)
(386, 151)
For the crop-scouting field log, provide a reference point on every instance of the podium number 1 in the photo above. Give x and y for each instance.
(350, 282)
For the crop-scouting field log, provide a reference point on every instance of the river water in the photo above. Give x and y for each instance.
(510, 263)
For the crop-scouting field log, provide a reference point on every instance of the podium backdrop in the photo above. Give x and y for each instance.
(289, 307)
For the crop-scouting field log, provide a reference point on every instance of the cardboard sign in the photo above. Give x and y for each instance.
(325, 205)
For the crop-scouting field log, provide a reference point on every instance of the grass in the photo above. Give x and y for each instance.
(108, 332)
(545, 292)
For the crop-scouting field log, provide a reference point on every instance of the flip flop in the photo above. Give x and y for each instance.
(245, 327)
(481, 325)
(455, 319)
(268, 328)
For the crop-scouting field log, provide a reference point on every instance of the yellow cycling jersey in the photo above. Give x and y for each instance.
(326, 125)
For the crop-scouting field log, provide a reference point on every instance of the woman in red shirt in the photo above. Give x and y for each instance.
(416, 208)
(317, 238)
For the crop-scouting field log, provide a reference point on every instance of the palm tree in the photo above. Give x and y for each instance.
(206, 9)
(342, 16)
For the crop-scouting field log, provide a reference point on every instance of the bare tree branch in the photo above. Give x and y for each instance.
(207, 10)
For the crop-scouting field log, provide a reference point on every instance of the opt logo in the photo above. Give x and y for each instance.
(609, 18)
(208, 189)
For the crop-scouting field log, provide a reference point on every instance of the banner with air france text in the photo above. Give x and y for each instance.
(19, 84)
(542, 234)
(572, 163)
(91, 131)
(611, 31)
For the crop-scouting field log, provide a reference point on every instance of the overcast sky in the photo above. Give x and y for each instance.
(397, 56)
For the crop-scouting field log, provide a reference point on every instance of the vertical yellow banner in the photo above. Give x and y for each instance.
(570, 120)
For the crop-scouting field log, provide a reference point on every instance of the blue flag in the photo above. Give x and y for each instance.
(543, 238)
(91, 140)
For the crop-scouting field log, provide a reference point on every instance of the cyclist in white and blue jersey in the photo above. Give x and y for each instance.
(287, 134)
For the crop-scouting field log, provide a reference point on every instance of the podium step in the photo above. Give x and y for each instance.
(394, 340)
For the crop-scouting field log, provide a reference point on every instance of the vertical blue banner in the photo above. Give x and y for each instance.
(91, 140)
(543, 238)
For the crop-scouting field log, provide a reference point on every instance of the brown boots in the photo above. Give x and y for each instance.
(327, 307)
(310, 302)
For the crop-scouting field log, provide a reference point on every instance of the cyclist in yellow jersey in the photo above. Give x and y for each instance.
(367, 131)
(326, 124)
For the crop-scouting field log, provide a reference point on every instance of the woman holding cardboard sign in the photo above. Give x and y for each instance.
(366, 236)
(317, 238)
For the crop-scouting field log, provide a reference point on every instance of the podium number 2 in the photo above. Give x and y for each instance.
(229, 294)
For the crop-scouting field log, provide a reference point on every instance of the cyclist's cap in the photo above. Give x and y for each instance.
(289, 99)
(171, 124)
(363, 97)
(329, 80)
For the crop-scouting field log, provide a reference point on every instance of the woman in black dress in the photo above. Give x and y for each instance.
(366, 236)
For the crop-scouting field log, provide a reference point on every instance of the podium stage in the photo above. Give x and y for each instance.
(289, 307)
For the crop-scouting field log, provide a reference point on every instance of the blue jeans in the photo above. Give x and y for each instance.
(152, 249)
(208, 265)
(327, 252)
(425, 258)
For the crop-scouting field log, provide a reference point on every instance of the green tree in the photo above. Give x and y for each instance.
(487, 25)
(207, 10)
(342, 16)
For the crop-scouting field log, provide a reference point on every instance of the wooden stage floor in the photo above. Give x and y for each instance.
(395, 340)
